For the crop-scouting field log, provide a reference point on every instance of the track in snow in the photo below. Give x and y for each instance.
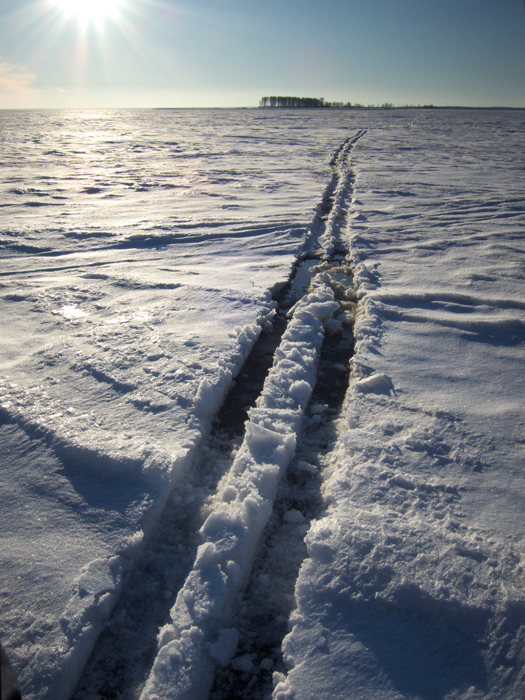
(268, 600)
(125, 651)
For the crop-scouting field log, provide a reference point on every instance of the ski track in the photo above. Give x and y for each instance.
(217, 576)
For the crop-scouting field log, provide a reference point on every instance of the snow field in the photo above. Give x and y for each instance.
(413, 586)
(151, 471)
(399, 596)
(130, 306)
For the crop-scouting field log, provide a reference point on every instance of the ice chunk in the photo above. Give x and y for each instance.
(301, 391)
(294, 516)
(166, 634)
(376, 382)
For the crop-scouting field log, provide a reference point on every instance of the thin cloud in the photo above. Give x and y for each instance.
(14, 78)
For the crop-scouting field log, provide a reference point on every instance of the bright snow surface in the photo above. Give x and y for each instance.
(139, 250)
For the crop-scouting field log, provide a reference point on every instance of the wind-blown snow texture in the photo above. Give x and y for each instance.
(138, 254)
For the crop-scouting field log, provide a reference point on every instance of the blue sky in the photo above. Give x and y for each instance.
(221, 53)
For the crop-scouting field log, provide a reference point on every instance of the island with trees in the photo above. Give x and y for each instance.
(312, 102)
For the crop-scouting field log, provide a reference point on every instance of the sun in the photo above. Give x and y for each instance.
(94, 10)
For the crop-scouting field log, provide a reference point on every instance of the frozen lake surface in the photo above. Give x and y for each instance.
(361, 535)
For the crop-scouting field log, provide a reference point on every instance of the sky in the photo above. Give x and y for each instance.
(230, 53)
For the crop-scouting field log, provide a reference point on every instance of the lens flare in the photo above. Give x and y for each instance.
(91, 9)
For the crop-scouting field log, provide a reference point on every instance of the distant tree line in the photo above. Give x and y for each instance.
(274, 101)
(277, 101)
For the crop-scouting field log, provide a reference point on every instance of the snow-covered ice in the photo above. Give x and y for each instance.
(140, 252)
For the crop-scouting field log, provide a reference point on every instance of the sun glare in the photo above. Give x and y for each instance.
(91, 9)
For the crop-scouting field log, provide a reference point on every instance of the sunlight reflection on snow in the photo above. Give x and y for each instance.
(71, 313)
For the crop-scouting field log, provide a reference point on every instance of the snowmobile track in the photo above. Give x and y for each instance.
(195, 572)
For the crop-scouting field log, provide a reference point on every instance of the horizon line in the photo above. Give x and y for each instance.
(360, 108)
